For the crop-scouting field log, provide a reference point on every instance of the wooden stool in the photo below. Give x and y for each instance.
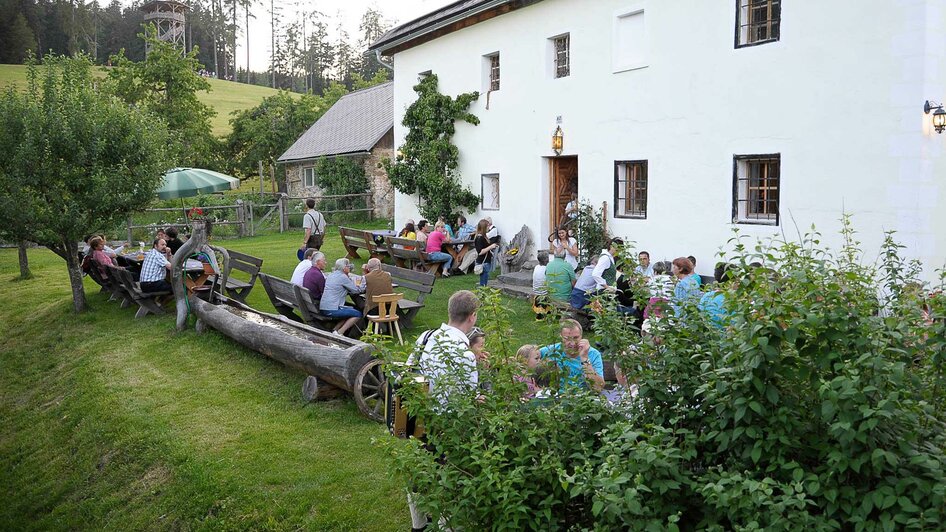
(387, 313)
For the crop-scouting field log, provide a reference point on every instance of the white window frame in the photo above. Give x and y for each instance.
(488, 72)
(486, 180)
(308, 176)
(618, 64)
(553, 55)
(742, 185)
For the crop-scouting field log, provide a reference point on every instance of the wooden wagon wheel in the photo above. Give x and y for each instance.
(369, 390)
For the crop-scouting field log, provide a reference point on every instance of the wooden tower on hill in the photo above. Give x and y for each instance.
(168, 18)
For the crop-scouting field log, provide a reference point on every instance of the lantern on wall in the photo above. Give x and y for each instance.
(939, 115)
(558, 140)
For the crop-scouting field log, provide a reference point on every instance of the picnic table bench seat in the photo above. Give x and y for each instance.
(288, 299)
(404, 257)
(147, 301)
(355, 239)
(420, 282)
(237, 288)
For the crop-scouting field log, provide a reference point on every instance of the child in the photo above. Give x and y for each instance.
(529, 354)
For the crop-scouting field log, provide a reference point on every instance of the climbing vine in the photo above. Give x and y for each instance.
(426, 164)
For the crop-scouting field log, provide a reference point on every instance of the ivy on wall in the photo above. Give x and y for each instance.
(426, 164)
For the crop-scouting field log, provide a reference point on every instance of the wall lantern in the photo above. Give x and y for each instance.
(939, 115)
(558, 140)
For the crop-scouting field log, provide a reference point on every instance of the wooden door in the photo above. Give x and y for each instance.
(564, 174)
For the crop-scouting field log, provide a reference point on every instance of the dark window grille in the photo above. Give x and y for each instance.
(562, 63)
(494, 72)
(757, 21)
(630, 189)
(757, 187)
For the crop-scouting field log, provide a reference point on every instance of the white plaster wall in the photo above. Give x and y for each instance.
(839, 96)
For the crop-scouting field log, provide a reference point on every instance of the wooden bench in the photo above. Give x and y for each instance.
(236, 288)
(355, 239)
(146, 301)
(410, 258)
(420, 282)
(288, 299)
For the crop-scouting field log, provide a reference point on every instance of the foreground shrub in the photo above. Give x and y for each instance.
(819, 403)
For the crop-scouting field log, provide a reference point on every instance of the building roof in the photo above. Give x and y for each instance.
(354, 124)
(445, 20)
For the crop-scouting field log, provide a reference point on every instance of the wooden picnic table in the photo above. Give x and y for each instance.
(197, 274)
(457, 249)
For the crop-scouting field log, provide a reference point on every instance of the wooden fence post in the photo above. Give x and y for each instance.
(252, 224)
(241, 217)
(283, 214)
(260, 180)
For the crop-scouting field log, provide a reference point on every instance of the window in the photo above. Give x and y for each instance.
(560, 56)
(490, 192)
(757, 21)
(492, 71)
(630, 189)
(756, 186)
(308, 177)
(629, 48)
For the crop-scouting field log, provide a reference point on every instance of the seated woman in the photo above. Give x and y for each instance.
(337, 287)
(100, 258)
(409, 232)
(687, 290)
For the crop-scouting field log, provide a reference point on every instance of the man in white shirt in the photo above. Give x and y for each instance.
(446, 359)
(448, 364)
(538, 274)
(304, 265)
(605, 272)
(313, 223)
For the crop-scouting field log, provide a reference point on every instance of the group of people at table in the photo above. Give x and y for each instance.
(433, 237)
(675, 283)
(154, 264)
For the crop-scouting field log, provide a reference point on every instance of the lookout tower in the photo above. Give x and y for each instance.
(168, 18)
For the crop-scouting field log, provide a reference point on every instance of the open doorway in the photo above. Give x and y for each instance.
(563, 172)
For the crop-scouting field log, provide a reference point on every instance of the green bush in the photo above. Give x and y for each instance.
(819, 404)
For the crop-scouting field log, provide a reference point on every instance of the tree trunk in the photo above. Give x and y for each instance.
(247, 13)
(70, 252)
(213, 35)
(24, 260)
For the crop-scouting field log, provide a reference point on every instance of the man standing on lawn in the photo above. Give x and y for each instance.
(314, 224)
(560, 277)
(579, 363)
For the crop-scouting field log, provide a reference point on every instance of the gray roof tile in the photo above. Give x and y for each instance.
(354, 124)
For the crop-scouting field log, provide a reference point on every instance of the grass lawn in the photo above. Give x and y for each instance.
(117, 423)
(225, 96)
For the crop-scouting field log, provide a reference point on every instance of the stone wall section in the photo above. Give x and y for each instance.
(379, 185)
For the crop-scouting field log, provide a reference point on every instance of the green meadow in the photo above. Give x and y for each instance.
(122, 424)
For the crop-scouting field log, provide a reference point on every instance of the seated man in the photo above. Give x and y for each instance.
(435, 241)
(337, 287)
(314, 280)
(155, 268)
(464, 230)
(560, 277)
(377, 283)
(304, 265)
(580, 364)
(584, 286)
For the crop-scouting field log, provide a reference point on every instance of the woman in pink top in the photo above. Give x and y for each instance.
(435, 242)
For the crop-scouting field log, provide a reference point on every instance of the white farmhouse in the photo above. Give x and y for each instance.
(691, 117)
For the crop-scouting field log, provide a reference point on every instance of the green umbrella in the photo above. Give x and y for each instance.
(186, 182)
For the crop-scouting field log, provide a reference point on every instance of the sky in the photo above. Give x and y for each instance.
(350, 11)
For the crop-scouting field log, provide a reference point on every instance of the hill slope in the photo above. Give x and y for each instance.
(225, 96)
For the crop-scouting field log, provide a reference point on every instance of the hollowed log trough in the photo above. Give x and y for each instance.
(334, 365)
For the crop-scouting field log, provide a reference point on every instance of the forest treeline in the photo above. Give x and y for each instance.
(309, 50)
